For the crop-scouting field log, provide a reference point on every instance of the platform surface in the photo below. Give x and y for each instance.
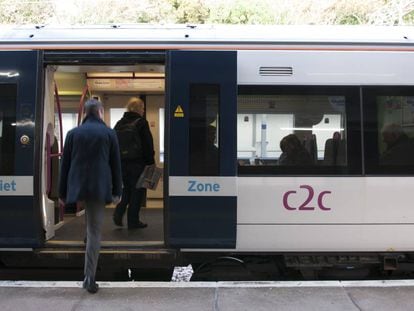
(216, 296)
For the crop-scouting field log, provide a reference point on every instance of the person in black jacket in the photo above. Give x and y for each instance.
(137, 151)
(293, 153)
(91, 173)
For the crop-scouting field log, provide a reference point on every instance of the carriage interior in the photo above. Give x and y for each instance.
(113, 85)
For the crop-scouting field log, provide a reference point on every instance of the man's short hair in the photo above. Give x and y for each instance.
(92, 107)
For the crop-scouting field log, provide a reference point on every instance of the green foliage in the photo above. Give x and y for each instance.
(409, 18)
(190, 11)
(243, 12)
(23, 12)
(349, 12)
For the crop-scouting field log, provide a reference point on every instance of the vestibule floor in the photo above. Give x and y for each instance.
(74, 228)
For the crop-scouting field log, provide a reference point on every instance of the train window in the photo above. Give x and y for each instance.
(294, 130)
(389, 130)
(69, 121)
(204, 130)
(8, 94)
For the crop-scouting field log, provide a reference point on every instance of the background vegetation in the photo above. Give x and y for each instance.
(288, 12)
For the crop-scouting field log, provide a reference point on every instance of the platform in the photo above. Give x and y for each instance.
(216, 296)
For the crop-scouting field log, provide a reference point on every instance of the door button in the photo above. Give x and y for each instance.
(24, 139)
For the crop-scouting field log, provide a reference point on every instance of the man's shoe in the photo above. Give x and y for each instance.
(91, 286)
(139, 225)
(117, 220)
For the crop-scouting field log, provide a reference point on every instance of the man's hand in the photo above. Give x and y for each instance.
(116, 199)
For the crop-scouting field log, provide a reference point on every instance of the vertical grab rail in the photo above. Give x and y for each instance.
(58, 154)
(81, 103)
(60, 121)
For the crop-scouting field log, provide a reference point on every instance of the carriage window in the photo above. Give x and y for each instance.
(292, 130)
(204, 138)
(396, 130)
(390, 130)
(7, 128)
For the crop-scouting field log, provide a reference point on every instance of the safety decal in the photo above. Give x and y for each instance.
(179, 113)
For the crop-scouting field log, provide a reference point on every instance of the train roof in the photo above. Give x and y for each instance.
(170, 36)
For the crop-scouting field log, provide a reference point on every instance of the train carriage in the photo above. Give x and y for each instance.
(225, 105)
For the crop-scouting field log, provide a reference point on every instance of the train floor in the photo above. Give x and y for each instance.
(74, 228)
(226, 296)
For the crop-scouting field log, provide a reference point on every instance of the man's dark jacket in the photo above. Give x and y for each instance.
(91, 165)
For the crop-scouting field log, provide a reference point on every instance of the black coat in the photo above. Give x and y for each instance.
(145, 136)
(91, 165)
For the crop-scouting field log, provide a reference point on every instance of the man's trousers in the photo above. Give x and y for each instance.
(94, 220)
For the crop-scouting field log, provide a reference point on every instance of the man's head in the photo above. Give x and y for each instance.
(137, 105)
(93, 107)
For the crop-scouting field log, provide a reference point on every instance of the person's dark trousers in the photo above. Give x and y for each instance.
(94, 220)
(131, 197)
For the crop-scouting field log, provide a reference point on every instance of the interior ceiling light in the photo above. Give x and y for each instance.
(110, 75)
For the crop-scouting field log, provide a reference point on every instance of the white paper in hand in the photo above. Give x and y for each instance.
(150, 177)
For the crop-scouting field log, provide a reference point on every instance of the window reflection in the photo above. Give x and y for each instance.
(395, 130)
(291, 130)
(204, 151)
(7, 128)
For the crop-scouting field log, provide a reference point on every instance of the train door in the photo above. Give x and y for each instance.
(20, 214)
(201, 149)
(114, 86)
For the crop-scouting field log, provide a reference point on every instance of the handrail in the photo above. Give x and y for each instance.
(48, 165)
(60, 121)
(81, 103)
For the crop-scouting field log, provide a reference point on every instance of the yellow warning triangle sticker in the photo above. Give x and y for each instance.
(179, 113)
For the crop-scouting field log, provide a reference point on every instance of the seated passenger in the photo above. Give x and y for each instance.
(400, 148)
(293, 153)
(335, 151)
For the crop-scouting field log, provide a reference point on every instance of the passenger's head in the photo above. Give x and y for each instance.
(137, 105)
(93, 107)
(290, 143)
(391, 133)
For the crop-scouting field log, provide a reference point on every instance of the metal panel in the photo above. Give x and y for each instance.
(103, 57)
(327, 67)
(201, 220)
(20, 215)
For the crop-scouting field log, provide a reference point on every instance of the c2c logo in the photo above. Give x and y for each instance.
(304, 206)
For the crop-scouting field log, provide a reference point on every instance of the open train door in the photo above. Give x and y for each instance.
(20, 215)
(201, 116)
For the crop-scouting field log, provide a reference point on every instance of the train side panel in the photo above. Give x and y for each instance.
(20, 215)
(325, 214)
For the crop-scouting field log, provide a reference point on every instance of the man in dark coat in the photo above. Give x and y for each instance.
(91, 173)
(133, 161)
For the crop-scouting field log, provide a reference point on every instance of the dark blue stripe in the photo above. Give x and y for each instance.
(203, 222)
(189, 67)
(20, 218)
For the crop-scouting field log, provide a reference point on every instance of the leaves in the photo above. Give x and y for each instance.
(373, 12)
